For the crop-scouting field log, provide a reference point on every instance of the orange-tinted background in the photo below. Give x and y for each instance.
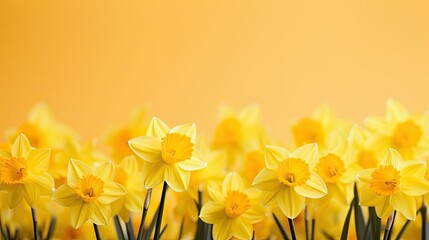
(94, 61)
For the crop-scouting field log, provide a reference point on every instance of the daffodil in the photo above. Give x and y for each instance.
(169, 154)
(315, 129)
(289, 178)
(405, 132)
(89, 192)
(393, 185)
(232, 210)
(23, 173)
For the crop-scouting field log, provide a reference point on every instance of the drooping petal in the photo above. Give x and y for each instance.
(147, 148)
(153, 174)
(21, 147)
(308, 153)
(256, 213)
(112, 191)
(414, 186)
(269, 198)
(215, 195)
(370, 198)
(75, 171)
(65, 195)
(31, 193)
(15, 196)
(157, 128)
(385, 209)
(315, 187)
(223, 230)
(365, 176)
(188, 130)
(396, 112)
(393, 158)
(44, 182)
(129, 164)
(80, 212)
(101, 213)
(404, 204)
(267, 180)
(212, 212)
(38, 160)
(105, 171)
(177, 178)
(192, 164)
(232, 181)
(290, 202)
(243, 228)
(413, 168)
(274, 155)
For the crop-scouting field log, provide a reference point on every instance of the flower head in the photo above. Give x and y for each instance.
(393, 185)
(289, 178)
(232, 210)
(23, 172)
(89, 192)
(169, 154)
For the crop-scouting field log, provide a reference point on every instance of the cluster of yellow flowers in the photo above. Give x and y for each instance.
(154, 181)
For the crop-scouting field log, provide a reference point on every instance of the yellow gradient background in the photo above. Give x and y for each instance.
(94, 61)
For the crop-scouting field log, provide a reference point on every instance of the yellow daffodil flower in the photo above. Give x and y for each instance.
(89, 192)
(393, 185)
(23, 172)
(400, 130)
(289, 178)
(169, 154)
(232, 210)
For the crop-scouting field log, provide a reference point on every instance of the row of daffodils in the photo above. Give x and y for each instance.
(147, 180)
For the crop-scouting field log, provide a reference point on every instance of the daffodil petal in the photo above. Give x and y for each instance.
(44, 182)
(147, 148)
(134, 201)
(31, 193)
(313, 188)
(413, 168)
(75, 171)
(129, 164)
(80, 212)
(5, 154)
(404, 204)
(255, 214)
(215, 195)
(269, 198)
(414, 186)
(370, 198)
(65, 195)
(105, 171)
(396, 112)
(365, 176)
(232, 181)
(38, 160)
(274, 155)
(177, 178)
(223, 230)
(101, 213)
(267, 180)
(290, 202)
(21, 147)
(192, 164)
(393, 158)
(153, 174)
(188, 130)
(308, 153)
(112, 191)
(157, 128)
(243, 228)
(377, 124)
(15, 196)
(212, 212)
(385, 209)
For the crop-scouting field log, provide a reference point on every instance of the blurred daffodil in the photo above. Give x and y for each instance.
(232, 210)
(289, 178)
(23, 173)
(393, 185)
(169, 154)
(89, 192)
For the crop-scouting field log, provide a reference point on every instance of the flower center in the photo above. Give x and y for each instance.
(236, 203)
(406, 135)
(367, 159)
(385, 180)
(13, 170)
(330, 168)
(89, 188)
(227, 133)
(121, 176)
(176, 148)
(293, 172)
(307, 130)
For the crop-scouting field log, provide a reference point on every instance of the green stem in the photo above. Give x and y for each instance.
(97, 232)
(280, 226)
(35, 228)
(118, 228)
(313, 228)
(161, 211)
(145, 209)
(389, 226)
(51, 228)
(292, 229)
(130, 230)
(307, 223)
(404, 227)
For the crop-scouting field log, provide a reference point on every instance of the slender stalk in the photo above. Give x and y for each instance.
(97, 232)
(130, 230)
(35, 228)
(3, 232)
(424, 221)
(280, 226)
(201, 226)
(389, 225)
(181, 228)
(292, 229)
(161, 211)
(51, 228)
(307, 223)
(404, 227)
(145, 209)
(313, 228)
(118, 228)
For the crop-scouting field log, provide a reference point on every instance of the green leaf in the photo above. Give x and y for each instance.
(359, 219)
(375, 223)
(345, 230)
(282, 230)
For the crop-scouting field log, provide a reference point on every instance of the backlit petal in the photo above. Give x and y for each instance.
(223, 230)
(269, 198)
(177, 178)
(192, 164)
(157, 128)
(80, 212)
(232, 181)
(38, 160)
(365, 176)
(290, 202)
(75, 171)
(15, 196)
(413, 168)
(112, 191)
(147, 148)
(377, 124)
(393, 158)
(396, 112)
(105, 171)
(313, 188)
(65, 195)
(215, 195)
(213, 212)
(101, 213)
(21, 147)
(243, 228)
(31, 193)
(266, 180)
(404, 204)
(44, 182)
(385, 209)
(153, 174)
(414, 186)
(370, 198)
(274, 155)
(308, 153)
